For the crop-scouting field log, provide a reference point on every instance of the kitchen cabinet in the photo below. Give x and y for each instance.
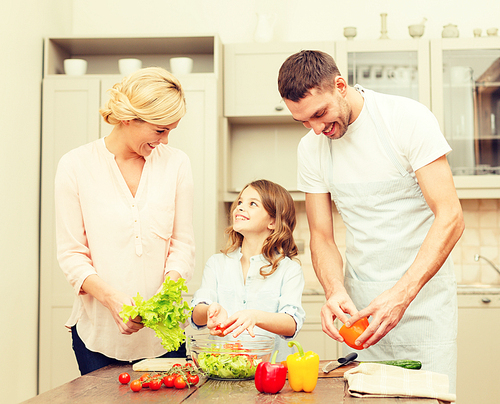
(251, 77)
(398, 67)
(466, 101)
(71, 118)
(260, 137)
(478, 348)
(311, 336)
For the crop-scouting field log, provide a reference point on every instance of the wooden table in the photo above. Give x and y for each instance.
(102, 387)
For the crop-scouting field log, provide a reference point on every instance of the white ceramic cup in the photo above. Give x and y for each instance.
(350, 32)
(129, 65)
(75, 67)
(492, 31)
(181, 65)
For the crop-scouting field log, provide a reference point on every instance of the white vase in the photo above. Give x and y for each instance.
(264, 30)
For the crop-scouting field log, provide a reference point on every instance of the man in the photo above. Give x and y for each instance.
(382, 159)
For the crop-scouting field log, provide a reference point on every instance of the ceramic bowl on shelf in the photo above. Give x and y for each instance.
(228, 358)
(128, 66)
(75, 67)
(416, 30)
(492, 31)
(181, 65)
(350, 32)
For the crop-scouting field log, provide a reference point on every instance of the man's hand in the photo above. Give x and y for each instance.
(386, 310)
(336, 306)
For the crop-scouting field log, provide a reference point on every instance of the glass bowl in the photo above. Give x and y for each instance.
(228, 358)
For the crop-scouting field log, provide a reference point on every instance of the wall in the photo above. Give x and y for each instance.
(297, 20)
(24, 23)
(481, 236)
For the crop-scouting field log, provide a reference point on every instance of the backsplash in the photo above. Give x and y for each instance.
(481, 236)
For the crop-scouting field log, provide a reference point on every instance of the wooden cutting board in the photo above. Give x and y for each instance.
(157, 364)
(339, 372)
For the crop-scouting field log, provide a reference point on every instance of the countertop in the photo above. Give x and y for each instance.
(474, 289)
(102, 387)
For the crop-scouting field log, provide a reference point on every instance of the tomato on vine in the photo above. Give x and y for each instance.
(179, 382)
(136, 385)
(168, 380)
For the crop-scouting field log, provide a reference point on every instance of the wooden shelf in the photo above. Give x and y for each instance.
(102, 54)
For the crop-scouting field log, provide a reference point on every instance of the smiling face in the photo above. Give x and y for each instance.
(142, 137)
(250, 217)
(326, 111)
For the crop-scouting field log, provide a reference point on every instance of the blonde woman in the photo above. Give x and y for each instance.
(255, 285)
(124, 207)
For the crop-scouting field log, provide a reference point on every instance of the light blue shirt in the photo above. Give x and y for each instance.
(279, 293)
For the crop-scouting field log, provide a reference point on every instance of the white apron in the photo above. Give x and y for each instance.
(386, 224)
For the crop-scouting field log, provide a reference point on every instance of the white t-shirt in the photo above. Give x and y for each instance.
(359, 156)
(280, 292)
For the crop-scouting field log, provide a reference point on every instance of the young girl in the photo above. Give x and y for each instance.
(254, 284)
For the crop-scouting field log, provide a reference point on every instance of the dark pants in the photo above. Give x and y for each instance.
(89, 361)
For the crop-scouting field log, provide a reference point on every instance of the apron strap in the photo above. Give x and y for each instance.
(371, 107)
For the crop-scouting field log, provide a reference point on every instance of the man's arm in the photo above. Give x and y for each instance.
(327, 263)
(436, 182)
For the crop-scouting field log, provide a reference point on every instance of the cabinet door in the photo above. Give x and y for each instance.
(196, 135)
(466, 102)
(251, 77)
(70, 118)
(391, 67)
(478, 355)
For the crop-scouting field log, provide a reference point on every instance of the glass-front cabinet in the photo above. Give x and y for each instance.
(398, 67)
(466, 100)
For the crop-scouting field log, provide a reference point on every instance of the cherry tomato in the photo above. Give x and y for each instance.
(179, 382)
(193, 379)
(124, 378)
(168, 380)
(176, 365)
(136, 385)
(144, 377)
(188, 365)
(155, 384)
(352, 333)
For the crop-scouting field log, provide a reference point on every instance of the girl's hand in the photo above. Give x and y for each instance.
(216, 315)
(241, 321)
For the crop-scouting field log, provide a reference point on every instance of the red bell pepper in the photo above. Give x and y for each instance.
(270, 377)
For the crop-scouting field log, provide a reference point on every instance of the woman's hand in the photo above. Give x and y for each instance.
(114, 303)
(216, 315)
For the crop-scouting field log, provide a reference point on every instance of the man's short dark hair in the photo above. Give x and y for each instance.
(305, 70)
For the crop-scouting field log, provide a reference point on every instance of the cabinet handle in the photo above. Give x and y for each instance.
(278, 107)
(486, 300)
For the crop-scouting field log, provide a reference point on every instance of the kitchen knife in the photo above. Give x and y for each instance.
(340, 362)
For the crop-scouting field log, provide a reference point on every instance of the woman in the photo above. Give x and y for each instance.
(124, 207)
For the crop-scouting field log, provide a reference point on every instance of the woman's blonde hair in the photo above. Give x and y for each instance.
(151, 94)
(278, 203)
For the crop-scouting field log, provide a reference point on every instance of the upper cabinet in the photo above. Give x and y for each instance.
(251, 77)
(398, 67)
(466, 101)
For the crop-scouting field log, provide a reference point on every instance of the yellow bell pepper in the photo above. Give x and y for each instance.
(303, 369)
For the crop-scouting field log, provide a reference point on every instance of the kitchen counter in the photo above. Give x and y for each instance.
(102, 387)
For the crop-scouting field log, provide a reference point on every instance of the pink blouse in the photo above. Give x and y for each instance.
(129, 242)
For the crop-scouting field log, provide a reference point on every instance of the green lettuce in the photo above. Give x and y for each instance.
(163, 312)
(228, 366)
